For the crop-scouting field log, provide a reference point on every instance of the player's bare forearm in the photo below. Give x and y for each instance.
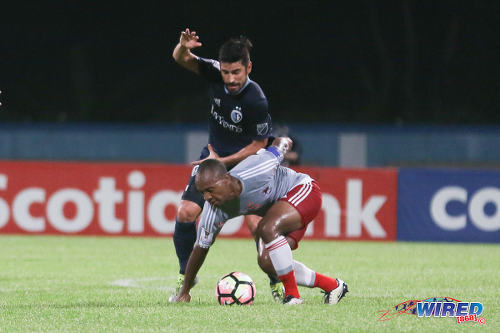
(243, 153)
(194, 264)
(182, 52)
(185, 58)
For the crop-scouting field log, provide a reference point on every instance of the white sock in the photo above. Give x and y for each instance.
(303, 274)
(281, 255)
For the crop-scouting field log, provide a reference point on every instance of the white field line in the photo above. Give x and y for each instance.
(142, 283)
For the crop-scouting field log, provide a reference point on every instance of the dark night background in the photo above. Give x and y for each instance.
(426, 61)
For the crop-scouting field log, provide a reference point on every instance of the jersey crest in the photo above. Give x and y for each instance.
(236, 115)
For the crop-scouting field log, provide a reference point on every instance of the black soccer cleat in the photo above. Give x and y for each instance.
(334, 296)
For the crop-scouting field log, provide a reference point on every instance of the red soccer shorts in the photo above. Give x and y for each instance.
(306, 198)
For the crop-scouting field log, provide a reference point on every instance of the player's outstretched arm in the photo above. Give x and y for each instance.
(188, 40)
(194, 264)
(237, 157)
(244, 152)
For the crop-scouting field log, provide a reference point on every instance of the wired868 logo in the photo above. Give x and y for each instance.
(437, 307)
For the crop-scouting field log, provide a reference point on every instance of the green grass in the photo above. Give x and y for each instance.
(66, 284)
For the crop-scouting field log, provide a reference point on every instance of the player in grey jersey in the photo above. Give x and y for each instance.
(287, 201)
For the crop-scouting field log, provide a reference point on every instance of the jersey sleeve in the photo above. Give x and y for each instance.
(259, 125)
(209, 69)
(211, 222)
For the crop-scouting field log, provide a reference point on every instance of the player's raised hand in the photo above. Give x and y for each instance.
(212, 155)
(189, 39)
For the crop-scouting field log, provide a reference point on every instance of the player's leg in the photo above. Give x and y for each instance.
(185, 220)
(185, 231)
(280, 220)
(304, 276)
(277, 289)
(291, 213)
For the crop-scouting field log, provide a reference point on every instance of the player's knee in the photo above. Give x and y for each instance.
(266, 231)
(188, 211)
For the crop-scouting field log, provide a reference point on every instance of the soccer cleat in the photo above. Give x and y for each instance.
(334, 296)
(180, 282)
(278, 291)
(290, 300)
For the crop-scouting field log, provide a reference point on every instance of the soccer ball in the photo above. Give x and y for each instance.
(235, 288)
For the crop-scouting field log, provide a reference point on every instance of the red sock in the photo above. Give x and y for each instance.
(325, 282)
(290, 284)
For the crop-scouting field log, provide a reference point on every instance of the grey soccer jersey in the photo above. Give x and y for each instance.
(263, 182)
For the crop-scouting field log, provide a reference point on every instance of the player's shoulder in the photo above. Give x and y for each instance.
(254, 91)
(262, 161)
(209, 62)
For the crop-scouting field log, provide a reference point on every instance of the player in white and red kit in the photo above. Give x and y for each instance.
(287, 201)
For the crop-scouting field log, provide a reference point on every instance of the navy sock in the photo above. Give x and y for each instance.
(184, 239)
(272, 279)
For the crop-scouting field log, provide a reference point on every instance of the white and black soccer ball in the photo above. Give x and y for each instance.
(235, 288)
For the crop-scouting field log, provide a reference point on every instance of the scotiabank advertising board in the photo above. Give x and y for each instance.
(142, 199)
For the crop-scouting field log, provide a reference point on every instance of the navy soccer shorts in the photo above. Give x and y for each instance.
(191, 193)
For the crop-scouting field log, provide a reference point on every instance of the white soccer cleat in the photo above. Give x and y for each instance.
(334, 296)
(290, 300)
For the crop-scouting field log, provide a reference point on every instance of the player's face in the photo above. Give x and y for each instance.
(235, 75)
(215, 191)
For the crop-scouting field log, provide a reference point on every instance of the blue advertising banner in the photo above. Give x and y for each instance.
(448, 205)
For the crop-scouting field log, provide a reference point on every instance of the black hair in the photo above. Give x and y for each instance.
(216, 167)
(236, 49)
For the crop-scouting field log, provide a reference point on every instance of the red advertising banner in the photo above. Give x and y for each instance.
(140, 199)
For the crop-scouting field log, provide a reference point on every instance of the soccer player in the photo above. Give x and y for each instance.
(287, 201)
(239, 125)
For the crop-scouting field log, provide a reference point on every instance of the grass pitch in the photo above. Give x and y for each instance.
(122, 284)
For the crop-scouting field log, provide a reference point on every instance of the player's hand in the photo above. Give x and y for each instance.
(212, 155)
(189, 39)
(181, 298)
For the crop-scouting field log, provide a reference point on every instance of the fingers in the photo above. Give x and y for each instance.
(197, 162)
(190, 34)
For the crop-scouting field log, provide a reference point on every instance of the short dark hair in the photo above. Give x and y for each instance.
(236, 49)
(216, 167)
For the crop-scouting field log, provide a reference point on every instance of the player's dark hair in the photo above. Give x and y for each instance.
(236, 49)
(215, 167)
